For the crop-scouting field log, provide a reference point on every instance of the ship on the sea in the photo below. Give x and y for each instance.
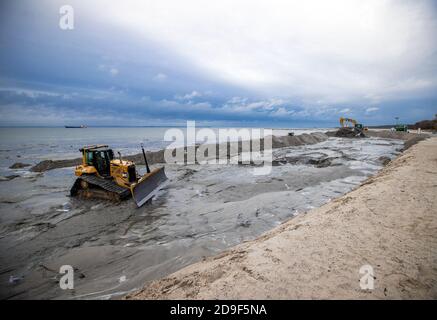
(76, 127)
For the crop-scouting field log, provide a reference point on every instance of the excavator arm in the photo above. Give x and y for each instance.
(345, 121)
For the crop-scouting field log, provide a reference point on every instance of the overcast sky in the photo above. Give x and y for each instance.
(254, 63)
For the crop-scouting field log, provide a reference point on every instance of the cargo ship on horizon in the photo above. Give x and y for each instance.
(76, 127)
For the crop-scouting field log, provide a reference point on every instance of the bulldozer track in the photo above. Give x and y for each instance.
(105, 184)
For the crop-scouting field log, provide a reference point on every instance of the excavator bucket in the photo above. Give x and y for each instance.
(148, 185)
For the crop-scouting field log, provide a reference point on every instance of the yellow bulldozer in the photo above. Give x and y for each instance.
(102, 176)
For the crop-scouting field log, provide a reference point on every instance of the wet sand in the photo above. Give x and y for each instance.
(389, 223)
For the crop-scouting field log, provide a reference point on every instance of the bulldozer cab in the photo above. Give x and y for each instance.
(100, 158)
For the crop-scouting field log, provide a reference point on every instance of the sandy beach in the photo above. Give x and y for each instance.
(202, 212)
(389, 222)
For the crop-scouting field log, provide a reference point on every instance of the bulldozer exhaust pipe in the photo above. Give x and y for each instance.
(145, 159)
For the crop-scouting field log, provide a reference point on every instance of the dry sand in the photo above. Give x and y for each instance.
(389, 222)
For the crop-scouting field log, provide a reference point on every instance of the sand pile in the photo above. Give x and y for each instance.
(346, 133)
(19, 165)
(302, 139)
(409, 138)
(388, 134)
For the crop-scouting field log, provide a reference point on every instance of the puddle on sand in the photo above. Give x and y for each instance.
(202, 211)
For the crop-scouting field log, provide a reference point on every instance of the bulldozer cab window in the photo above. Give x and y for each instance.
(102, 162)
(89, 158)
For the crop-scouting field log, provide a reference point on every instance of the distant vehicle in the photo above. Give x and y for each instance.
(75, 127)
(401, 127)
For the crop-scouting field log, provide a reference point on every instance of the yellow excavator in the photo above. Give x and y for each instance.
(353, 126)
(344, 123)
(102, 176)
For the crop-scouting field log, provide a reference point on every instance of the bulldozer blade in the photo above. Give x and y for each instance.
(148, 185)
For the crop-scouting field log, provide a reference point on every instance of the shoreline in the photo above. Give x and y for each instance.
(235, 147)
(388, 222)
